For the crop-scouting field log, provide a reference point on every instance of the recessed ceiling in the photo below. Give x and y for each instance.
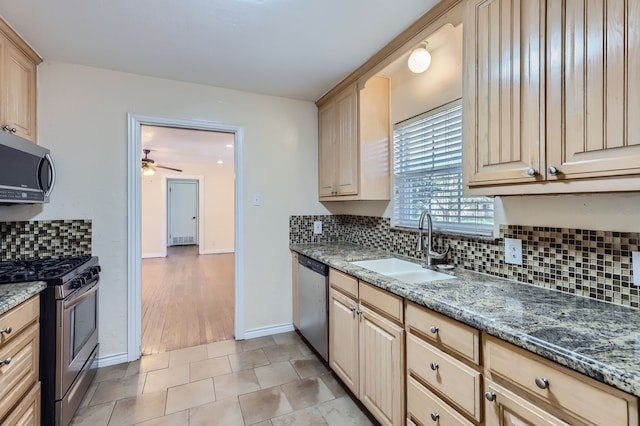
(292, 48)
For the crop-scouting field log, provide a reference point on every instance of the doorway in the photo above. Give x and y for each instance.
(136, 124)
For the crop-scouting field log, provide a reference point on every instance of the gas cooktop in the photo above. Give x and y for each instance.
(39, 269)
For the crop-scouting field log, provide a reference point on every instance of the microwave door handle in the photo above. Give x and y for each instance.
(52, 175)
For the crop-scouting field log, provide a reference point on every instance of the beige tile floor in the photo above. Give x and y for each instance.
(274, 380)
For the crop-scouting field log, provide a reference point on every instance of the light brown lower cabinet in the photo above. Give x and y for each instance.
(19, 364)
(366, 347)
(448, 382)
(27, 412)
(564, 393)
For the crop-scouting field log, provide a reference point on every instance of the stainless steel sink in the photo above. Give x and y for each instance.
(402, 270)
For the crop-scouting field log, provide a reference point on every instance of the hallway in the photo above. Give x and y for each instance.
(187, 299)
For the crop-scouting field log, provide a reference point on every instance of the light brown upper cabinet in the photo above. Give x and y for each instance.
(552, 96)
(353, 151)
(18, 77)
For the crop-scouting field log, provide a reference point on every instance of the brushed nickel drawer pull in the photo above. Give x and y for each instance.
(6, 330)
(435, 416)
(434, 366)
(542, 383)
(490, 396)
(5, 361)
(434, 329)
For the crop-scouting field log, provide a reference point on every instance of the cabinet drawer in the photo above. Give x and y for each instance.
(507, 408)
(346, 283)
(458, 383)
(18, 318)
(27, 413)
(382, 301)
(17, 377)
(441, 330)
(571, 392)
(426, 408)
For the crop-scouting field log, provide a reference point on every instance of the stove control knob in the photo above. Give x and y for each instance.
(95, 270)
(77, 283)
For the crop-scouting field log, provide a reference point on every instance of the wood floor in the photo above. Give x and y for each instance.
(187, 299)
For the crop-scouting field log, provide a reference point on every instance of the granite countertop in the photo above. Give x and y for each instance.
(599, 339)
(11, 295)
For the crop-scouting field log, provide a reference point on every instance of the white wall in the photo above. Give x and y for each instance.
(83, 120)
(413, 94)
(218, 208)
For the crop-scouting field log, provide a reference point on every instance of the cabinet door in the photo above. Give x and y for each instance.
(506, 408)
(593, 88)
(343, 339)
(381, 367)
(27, 412)
(504, 87)
(19, 91)
(327, 150)
(347, 140)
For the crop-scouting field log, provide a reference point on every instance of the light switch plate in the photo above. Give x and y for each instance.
(257, 199)
(635, 267)
(513, 251)
(317, 227)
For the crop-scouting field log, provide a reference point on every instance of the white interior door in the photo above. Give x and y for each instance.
(182, 199)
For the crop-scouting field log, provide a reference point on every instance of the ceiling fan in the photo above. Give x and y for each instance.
(149, 166)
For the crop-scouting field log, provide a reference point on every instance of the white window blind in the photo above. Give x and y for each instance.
(427, 168)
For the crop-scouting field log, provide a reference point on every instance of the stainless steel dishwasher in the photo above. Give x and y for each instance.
(313, 292)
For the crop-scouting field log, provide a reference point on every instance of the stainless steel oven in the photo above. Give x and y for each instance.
(77, 319)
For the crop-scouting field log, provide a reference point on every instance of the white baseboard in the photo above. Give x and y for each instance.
(150, 255)
(113, 359)
(268, 331)
(217, 251)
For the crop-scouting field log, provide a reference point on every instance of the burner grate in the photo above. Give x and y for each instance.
(39, 269)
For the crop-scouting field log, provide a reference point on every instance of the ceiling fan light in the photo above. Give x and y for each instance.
(419, 60)
(147, 170)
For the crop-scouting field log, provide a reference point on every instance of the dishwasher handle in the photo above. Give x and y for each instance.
(314, 265)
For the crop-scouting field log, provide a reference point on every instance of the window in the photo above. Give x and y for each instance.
(427, 169)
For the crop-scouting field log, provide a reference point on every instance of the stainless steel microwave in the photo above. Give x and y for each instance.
(27, 173)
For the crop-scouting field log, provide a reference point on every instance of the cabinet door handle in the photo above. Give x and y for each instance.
(9, 129)
(434, 366)
(434, 329)
(5, 361)
(542, 382)
(490, 396)
(6, 330)
(553, 170)
(532, 172)
(352, 309)
(435, 416)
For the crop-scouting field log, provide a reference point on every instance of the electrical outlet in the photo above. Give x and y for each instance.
(635, 267)
(317, 227)
(513, 251)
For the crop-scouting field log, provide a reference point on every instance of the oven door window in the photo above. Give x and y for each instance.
(83, 323)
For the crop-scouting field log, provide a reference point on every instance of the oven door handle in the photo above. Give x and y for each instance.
(88, 291)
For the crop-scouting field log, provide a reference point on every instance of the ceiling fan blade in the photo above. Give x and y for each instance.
(168, 168)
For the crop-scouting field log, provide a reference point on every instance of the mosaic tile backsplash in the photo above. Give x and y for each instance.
(589, 263)
(44, 238)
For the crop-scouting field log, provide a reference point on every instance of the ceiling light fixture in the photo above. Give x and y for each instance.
(419, 59)
(219, 161)
(148, 170)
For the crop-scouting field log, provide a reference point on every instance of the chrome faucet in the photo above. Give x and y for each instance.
(428, 253)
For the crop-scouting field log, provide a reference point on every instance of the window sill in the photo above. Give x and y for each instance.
(476, 237)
